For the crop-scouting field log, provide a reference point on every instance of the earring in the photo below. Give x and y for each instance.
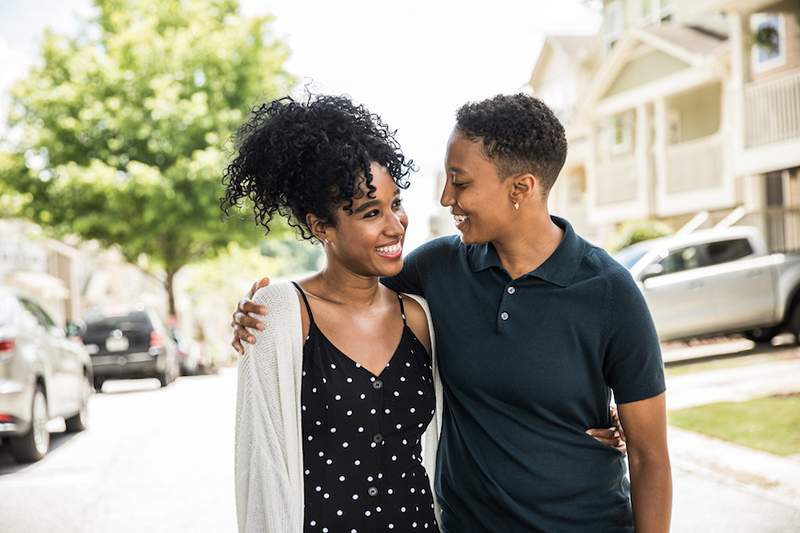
(516, 205)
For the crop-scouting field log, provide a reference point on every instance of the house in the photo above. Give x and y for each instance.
(677, 114)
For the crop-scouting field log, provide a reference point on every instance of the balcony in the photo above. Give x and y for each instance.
(772, 110)
(616, 181)
(694, 165)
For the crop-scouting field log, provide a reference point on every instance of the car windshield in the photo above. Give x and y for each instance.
(630, 256)
(136, 320)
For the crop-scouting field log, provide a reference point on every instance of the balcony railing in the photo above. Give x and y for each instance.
(779, 225)
(616, 181)
(694, 165)
(772, 110)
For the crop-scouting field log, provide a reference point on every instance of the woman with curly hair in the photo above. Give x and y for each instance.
(334, 403)
(537, 329)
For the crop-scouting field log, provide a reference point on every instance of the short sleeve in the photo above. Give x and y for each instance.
(632, 365)
(419, 267)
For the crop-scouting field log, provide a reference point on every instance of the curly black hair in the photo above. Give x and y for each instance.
(519, 133)
(295, 158)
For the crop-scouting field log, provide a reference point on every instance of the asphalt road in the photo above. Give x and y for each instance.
(160, 460)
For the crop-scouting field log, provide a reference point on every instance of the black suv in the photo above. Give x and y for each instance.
(130, 344)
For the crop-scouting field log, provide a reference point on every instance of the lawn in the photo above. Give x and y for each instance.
(771, 424)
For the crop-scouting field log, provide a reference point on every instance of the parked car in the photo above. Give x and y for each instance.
(192, 357)
(129, 343)
(43, 375)
(717, 282)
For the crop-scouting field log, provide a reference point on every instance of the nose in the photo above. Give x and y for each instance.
(447, 195)
(396, 224)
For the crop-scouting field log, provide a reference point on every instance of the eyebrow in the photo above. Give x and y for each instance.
(372, 203)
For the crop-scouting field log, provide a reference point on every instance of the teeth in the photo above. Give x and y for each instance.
(460, 218)
(393, 249)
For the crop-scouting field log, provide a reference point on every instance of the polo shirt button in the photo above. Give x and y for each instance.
(377, 438)
(372, 491)
(511, 290)
(377, 384)
(504, 315)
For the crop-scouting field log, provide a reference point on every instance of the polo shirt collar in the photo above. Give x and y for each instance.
(558, 269)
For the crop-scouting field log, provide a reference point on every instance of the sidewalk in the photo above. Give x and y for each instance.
(766, 475)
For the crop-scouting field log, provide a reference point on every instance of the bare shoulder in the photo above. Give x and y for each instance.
(417, 321)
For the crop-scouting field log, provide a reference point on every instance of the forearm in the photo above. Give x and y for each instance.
(651, 491)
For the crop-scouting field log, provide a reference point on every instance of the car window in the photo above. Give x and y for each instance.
(682, 259)
(726, 251)
(134, 321)
(41, 315)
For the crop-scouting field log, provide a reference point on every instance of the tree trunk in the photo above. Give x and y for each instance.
(170, 287)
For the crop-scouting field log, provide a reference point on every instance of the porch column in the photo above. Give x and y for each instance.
(661, 176)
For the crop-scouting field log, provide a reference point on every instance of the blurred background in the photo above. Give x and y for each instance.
(118, 274)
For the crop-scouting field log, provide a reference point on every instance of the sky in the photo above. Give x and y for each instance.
(413, 62)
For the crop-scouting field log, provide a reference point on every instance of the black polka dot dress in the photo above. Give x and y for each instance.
(362, 457)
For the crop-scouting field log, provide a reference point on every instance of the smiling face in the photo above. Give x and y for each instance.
(478, 198)
(369, 241)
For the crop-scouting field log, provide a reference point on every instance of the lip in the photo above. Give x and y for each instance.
(460, 225)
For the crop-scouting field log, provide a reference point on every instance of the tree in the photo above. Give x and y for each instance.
(124, 127)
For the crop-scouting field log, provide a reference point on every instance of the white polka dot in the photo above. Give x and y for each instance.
(387, 411)
(398, 426)
(360, 430)
(339, 396)
(349, 413)
(356, 462)
(345, 445)
(333, 430)
(355, 496)
(370, 478)
(412, 410)
(318, 488)
(349, 380)
(402, 509)
(363, 396)
(329, 461)
(333, 366)
(341, 478)
(402, 378)
(308, 471)
(378, 509)
(339, 512)
(396, 393)
(391, 526)
(312, 523)
(372, 411)
(326, 495)
(314, 389)
(394, 458)
(390, 491)
(321, 454)
(418, 392)
(310, 437)
(367, 513)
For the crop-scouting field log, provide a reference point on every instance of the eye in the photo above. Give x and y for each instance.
(458, 185)
(397, 203)
(372, 214)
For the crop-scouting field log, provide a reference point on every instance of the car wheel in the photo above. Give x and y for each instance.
(761, 335)
(34, 444)
(80, 420)
(164, 378)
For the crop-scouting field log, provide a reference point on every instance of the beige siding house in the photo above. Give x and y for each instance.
(679, 114)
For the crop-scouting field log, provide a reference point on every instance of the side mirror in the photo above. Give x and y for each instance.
(73, 329)
(651, 271)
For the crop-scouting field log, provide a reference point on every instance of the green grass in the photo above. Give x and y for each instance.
(771, 424)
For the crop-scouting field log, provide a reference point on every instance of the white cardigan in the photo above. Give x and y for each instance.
(269, 450)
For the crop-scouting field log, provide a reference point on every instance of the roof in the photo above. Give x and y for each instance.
(578, 47)
(692, 39)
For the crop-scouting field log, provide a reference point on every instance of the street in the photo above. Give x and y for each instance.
(160, 460)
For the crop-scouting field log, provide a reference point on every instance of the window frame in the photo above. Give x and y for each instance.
(774, 62)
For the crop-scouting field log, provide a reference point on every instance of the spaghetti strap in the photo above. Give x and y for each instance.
(308, 307)
(402, 308)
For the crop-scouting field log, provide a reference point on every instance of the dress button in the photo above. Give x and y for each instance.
(372, 491)
(504, 315)
(377, 384)
(377, 438)
(511, 290)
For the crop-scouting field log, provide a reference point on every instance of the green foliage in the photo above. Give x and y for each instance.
(124, 126)
(639, 231)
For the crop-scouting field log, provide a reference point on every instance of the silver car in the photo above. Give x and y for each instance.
(43, 375)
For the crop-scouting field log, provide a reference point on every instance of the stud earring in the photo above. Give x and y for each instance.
(516, 205)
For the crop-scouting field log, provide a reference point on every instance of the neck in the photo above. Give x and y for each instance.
(534, 239)
(341, 285)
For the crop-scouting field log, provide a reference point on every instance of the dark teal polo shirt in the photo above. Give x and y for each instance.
(528, 365)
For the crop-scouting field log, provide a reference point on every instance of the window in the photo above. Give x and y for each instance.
(682, 259)
(41, 316)
(655, 11)
(613, 22)
(726, 251)
(620, 134)
(769, 30)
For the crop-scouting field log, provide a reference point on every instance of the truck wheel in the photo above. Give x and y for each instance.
(761, 335)
(34, 444)
(79, 420)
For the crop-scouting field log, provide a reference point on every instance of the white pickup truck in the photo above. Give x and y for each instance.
(716, 282)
